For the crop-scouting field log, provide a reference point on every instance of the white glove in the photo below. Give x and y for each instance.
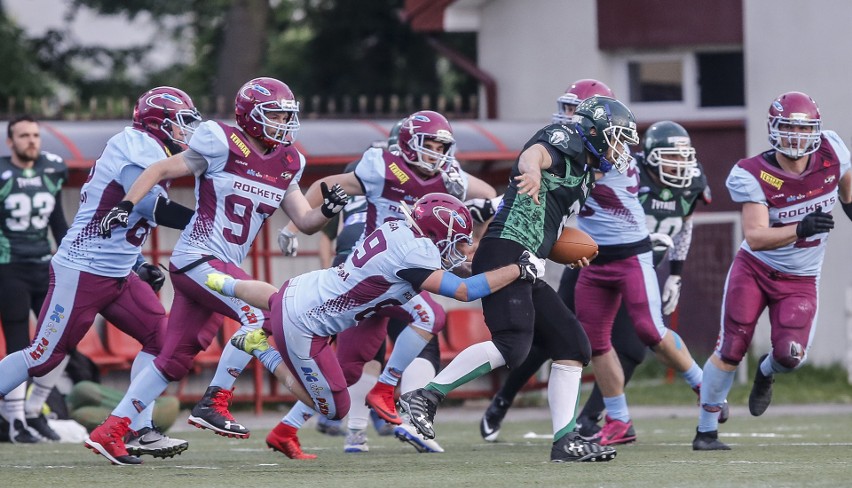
(661, 242)
(532, 267)
(671, 294)
(288, 242)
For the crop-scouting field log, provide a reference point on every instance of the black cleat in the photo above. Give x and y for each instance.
(421, 406)
(212, 413)
(573, 448)
(708, 441)
(588, 427)
(489, 427)
(761, 391)
(40, 425)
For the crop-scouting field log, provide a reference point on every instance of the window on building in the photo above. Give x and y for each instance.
(721, 79)
(656, 81)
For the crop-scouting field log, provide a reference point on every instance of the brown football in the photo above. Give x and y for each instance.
(573, 245)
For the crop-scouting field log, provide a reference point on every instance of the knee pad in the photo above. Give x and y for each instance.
(513, 351)
(788, 353)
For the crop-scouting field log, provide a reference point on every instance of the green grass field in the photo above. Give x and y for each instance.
(798, 450)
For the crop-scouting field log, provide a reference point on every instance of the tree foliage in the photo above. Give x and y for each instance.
(318, 47)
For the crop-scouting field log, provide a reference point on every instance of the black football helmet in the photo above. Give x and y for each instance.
(668, 148)
(605, 123)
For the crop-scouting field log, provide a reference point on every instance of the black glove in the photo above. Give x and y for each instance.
(333, 200)
(532, 267)
(117, 216)
(152, 275)
(816, 222)
(481, 209)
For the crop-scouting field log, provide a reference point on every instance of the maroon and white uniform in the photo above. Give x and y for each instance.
(388, 180)
(236, 191)
(314, 306)
(784, 279)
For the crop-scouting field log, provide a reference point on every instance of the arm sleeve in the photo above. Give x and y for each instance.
(171, 214)
(415, 276)
(195, 162)
(58, 224)
(145, 207)
(682, 241)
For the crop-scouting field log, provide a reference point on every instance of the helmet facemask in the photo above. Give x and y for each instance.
(440, 161)
(563, 104)
(795, 144)
(187, 120)
(278, 132)
(676, 165)
(457, 232)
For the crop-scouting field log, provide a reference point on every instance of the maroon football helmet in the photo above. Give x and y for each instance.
(794, 125)
(256, 100)
(158, 110)
(576, 93)
(446, 221)
(419, 127)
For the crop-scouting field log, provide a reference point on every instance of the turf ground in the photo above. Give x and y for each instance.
(797, 446)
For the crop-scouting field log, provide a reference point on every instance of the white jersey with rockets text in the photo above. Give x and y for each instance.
(790, 198)
(331, 300)
(240, 189)
(83, 248)
(387, 180)
(613, 214)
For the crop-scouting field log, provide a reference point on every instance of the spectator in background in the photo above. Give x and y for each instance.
(31, 191)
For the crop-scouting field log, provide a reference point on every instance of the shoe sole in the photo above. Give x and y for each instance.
(162, 453)
(98, 449)
(601, 457)
(407, 438)
(202, 424)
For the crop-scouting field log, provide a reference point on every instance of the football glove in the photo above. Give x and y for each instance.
(532, 267)
(453, 181)
(288, 242)
(816, 222)
(333, 200)
(481, 209)
(671, 294)
(221, 283)
(661, 242)
(152, 275)
(117, 215)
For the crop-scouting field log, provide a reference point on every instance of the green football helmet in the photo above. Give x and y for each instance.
(605, 123)
(668, 148)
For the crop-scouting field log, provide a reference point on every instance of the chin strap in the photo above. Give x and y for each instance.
(604, 165)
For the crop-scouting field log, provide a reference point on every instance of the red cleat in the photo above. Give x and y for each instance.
(284, 439)
(212, 413)
(108, 440)
(381, 400)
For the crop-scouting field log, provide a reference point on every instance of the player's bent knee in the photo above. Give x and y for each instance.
(174, 369)
(790, 354)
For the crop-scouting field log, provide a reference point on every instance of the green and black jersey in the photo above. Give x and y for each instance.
(29, 199)
(564, 188)
(666, 207)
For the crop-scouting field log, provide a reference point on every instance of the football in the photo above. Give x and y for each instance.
(573, 244)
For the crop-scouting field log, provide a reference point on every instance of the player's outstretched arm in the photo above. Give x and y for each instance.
(528, 267)
(530, 163)
(255, 293)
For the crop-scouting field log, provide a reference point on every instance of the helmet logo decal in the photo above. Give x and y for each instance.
(777, 106)
(420, 118)
(254, 86)
(447, 216)
(600, 113)
(166, 96)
